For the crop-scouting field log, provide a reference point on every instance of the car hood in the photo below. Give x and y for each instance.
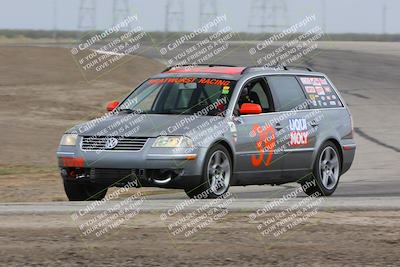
(146, 125)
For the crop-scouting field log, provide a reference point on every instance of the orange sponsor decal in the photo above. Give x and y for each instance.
(266, 142)
(172, 80)
(214, 82)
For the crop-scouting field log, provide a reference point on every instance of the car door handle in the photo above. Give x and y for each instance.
(313, 123)
(237, 120)
(278, 126)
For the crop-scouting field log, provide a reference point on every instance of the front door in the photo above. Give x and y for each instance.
(258, 159)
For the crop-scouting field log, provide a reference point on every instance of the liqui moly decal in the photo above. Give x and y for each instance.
(298, 132)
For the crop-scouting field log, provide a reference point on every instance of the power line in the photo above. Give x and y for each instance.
(268, 15)
(174, 18)
(87, 15)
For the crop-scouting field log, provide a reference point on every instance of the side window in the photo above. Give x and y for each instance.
(256, 92)
(320, 92)
(288, 92)
(258, 95)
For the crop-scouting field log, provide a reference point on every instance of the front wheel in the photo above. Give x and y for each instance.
(77, 191)
(326, 172)
(217, 172)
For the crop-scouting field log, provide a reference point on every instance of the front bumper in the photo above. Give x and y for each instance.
(184, 165)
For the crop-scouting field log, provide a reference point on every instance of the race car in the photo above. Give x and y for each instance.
(206, 128)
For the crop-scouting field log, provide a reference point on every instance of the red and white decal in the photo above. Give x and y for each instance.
(310, 89)
(315, 81)
(323, 81)
(320, 90)
(305, 80)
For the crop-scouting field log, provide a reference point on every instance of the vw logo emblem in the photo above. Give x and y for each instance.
(111, 143)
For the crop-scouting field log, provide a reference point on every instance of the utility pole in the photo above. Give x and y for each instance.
(384, 11)
(121, 12)
(174, 18)
(324, 15)
(208, 11)
(55, 15)
(87, 15)
(268, 15)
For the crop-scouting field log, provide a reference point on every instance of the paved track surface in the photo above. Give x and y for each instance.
(237, 205)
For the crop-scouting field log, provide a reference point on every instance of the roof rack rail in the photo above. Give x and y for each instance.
(277, 67)
(297, 67)
(195, 65)
(248, 68)
(254, 67)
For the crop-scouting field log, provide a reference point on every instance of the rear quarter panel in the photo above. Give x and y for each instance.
(335, 125)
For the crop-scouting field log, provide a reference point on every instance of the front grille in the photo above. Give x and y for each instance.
(124, 143)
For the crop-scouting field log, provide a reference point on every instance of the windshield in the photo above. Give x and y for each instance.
(201, 96)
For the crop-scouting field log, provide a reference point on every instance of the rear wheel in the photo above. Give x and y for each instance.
(326, 172)
(77, 191)
(217, 172)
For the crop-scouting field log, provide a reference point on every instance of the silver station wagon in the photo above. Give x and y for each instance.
(205, 128)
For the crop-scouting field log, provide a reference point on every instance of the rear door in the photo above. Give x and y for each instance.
(298, 123)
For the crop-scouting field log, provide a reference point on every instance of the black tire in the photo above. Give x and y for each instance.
(204, 189)
(320, 189)
(78, 191)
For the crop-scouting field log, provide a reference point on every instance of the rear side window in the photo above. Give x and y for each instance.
(288, 92)
(320, 92)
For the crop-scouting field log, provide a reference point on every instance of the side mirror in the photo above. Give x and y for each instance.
(250, 108)
(112, 105)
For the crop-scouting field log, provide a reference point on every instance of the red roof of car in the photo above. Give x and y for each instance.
(219, 70)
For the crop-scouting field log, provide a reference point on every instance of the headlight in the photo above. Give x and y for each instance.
(173, 141)
(68, 140)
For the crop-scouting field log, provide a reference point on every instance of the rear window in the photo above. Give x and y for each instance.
(287, 91)
(320, 92)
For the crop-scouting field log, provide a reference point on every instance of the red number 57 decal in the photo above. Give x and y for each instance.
(266, 141)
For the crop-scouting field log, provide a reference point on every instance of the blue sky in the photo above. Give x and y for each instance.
(360, 16)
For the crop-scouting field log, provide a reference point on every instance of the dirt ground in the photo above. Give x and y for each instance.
(327, 239)
(42, 94)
